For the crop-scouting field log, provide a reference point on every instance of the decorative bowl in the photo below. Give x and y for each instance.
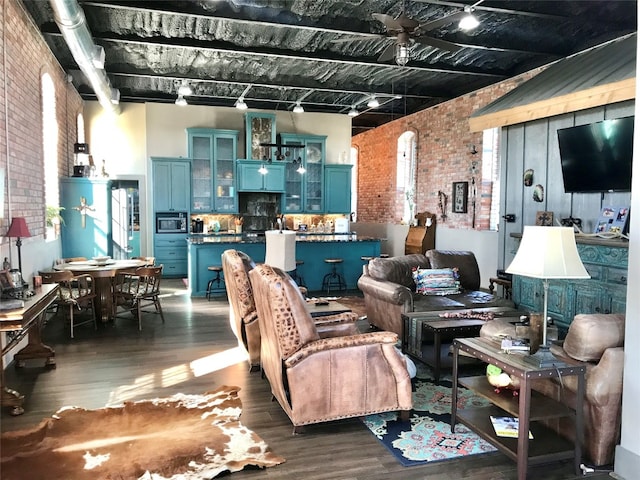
(101, 260)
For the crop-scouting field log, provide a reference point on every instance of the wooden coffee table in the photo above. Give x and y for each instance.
(427, 336)
(332, 308)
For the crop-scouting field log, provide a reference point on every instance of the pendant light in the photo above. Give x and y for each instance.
(469, 21)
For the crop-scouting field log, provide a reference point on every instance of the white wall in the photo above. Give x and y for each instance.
(627, 460)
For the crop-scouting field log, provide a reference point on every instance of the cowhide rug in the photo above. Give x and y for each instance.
(183, 437)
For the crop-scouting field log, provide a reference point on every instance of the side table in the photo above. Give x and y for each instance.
(529, 406)
(504, 283)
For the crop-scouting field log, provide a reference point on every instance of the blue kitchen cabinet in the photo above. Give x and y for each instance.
(337, 188)
(171, 180)
(86, 215)
(251, 180)
(304, 192)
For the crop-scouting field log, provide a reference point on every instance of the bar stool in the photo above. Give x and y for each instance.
(217, 279)
(333, 279)
(295, 275)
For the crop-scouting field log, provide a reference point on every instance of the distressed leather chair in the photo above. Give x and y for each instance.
(236, 266)
(321, 379)
(595, 340)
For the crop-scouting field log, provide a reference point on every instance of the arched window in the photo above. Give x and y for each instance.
(50, 151)
(406, 177)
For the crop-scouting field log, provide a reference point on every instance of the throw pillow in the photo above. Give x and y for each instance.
(436, 281)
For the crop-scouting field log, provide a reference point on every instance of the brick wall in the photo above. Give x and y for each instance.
(26, 59)
(443, 146)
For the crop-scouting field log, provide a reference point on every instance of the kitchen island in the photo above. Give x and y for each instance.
(311, 248)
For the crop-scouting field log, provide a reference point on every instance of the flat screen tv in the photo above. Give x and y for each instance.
(597, 157)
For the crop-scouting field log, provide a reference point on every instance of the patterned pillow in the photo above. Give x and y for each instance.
(436, 281)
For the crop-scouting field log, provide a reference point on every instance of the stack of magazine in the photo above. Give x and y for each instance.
(507, 427)
(513, 345)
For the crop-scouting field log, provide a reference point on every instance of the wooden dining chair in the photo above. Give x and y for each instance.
(135, 290)
(74, 292)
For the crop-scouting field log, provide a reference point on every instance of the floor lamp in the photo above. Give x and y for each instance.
(19, 230)
(547, 253)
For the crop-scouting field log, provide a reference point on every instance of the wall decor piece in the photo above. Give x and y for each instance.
(460, 197)
(544, 219)
(538, 193)
(528, 177)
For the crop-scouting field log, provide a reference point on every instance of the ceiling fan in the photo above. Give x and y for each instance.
(407, 31)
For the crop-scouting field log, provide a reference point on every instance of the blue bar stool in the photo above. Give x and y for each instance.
(217, 279)
(333, 279)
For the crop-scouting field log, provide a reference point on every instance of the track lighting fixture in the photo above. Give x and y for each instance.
(469, 21)
(373, 103)
(353, 112)
(240, 105)
(180, 101)
(185, 89)
(298, 108)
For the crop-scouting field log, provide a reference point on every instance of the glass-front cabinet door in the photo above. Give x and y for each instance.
(314, 159)
(213, 155)
(260, 128)
(304, 187)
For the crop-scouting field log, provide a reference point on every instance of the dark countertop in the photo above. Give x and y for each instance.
(205, 238)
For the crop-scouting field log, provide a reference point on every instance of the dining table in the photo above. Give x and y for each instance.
(102, 274)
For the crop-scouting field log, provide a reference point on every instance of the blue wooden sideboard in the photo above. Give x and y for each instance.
(605, 292)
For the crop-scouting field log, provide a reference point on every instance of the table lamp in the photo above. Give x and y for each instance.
(547, 253)
(281, 249)
(18, 229)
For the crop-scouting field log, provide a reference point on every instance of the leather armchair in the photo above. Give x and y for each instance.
(321, 379)
(595, 340)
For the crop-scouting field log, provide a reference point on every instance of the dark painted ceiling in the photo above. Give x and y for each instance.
(325, 53)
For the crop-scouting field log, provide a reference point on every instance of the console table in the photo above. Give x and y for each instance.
(17, 324)
(529, 406)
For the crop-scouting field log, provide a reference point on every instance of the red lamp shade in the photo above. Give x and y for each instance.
(18, 228)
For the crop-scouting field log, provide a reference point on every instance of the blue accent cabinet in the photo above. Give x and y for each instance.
(337, 187)
(86, 230)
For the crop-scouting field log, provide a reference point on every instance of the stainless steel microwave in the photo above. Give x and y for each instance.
(171, 222)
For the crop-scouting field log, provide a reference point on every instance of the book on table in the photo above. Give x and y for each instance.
(507, 427)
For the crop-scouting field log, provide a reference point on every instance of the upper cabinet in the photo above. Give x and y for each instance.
(171, 180)
(250, 179)
(304, 191)
(260, 128)
(213, 155)
(337, 187)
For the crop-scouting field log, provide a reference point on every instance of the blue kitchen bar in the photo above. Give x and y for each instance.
(206, 250)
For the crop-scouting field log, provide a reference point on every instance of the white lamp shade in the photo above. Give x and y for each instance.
(281, 249)
(548, 252)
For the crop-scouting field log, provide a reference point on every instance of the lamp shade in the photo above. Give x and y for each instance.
(281, 249)
(18, 228)
(548, 252)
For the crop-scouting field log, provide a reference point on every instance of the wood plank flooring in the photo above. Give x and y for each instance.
(195, 351)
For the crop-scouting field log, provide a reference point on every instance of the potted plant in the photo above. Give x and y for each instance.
(53, 217)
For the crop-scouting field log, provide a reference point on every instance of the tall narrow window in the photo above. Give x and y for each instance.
(50, 151)
(406, 177)
(491, 173)
(354, 180)
(80, 128)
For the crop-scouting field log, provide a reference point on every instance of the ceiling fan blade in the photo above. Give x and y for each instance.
(350, 39)
(407, 23)
(437, 43)
(425, 27)
(388, 53)
(391, 23)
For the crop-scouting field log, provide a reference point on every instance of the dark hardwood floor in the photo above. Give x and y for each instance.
(195, 351)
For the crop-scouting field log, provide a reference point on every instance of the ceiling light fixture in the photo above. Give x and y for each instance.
(240, 105)
(402, 54)
(185, 89)
(373, 103)
(180, 101)
(298, 108)
(353, 112)
(469, 21)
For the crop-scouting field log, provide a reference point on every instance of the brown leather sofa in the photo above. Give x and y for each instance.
(389, 289)
(321, 379)
(595, 340)
(236, 266)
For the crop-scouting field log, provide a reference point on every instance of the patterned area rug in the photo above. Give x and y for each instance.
(427, 436)
(186, 437)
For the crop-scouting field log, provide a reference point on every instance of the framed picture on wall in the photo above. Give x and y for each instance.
(460, 197)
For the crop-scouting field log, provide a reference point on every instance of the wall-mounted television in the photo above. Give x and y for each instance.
(597, 157)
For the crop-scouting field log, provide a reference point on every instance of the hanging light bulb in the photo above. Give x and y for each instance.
(469, 21)
(263, 170)
(180, 101)
(402, 54)
(185, 89)
(353, 112)
(240, 105)
(373, 103)
(298, 108)
(301, 168)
